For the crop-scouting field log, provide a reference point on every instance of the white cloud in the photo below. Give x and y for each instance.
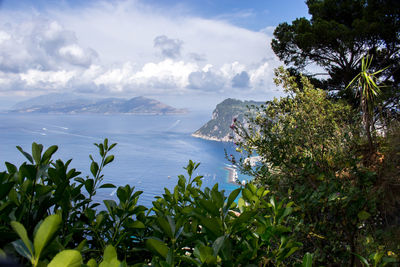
(115, 48)
(207, 80)
(47, 79)
(40, 44)
(170, 48)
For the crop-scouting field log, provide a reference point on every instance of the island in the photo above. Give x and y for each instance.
(72, 104)
(218, 128)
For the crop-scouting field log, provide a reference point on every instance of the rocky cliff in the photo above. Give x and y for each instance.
(218, 128)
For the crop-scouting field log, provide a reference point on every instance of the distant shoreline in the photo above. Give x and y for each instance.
(232, 175)
(94, 113)
(210, 138)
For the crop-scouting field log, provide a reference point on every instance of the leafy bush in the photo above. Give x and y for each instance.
(49, 217)
(310, 150)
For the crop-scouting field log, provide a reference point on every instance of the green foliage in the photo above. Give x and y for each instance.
(368, 91)
(42, 238)
(337, 36)
(205, 227)
(69, 257)
(188, 226)
(308, 149)
(298, 135)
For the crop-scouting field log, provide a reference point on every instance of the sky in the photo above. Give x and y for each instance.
(190, 54)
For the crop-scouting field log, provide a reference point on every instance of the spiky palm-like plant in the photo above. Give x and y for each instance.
(366, 87)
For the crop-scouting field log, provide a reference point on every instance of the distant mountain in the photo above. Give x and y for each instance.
(72, 104)
(218, 128)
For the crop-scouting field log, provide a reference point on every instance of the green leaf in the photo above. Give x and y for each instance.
(362, 259)
(81, 245)
(89, 185)
(212, 225)
(11, 168)
(91, 263)
(45, 233)
(49, 152)
(22, 249)
(21, 231)
(363, 215)
(37, 152)
(69, 257)
(205, 254)
(243, 218)
(5, 189)
(107, 186)
(122, 194)
(136, 225)
(218, 243)
(247, 194)
(29, 157)
(307, 260)
(110, 205)
(233, 196)
(158, 246)
(166, 227)
(109, 253)
(112, 146)
(94, 168)
(109, 159)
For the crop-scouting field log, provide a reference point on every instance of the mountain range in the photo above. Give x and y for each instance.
(73, 104)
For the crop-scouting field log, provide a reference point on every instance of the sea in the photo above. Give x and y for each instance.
(151, 150)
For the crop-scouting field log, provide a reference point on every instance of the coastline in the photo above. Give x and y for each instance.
(205, 137)
(232, 175)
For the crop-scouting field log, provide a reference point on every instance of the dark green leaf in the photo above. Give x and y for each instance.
(11, 168)
(110, 205)
(307, 260)
(89, 185)
(48, 154)
(362, 259)
(233, 196)
(5, 189)
(136, 224)
(158, 246)
(21, 248)
(218, 243)
(29, 157)
(107, 186)
(37, 152)
(363, 215)
(94, 168)
(109, 159)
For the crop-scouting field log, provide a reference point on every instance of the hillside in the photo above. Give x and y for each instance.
(70, 104)
(218, 128)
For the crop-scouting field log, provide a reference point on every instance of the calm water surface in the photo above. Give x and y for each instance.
(151, 150)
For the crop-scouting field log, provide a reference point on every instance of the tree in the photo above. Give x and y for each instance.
(338, 35)
(307, 147)
(367, 90)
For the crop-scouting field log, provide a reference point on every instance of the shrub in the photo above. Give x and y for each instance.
(310, 151)
(49, 217)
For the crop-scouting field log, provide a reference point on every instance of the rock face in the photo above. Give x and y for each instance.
(218, 128)
(71, 105)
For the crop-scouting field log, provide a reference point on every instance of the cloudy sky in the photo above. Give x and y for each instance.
(191, 53)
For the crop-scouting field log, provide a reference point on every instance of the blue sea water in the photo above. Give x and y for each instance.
(151, 152)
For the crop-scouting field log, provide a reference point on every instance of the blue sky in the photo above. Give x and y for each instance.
(186, 53)
(251, 14)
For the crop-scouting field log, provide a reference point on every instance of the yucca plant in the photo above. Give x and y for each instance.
(367, 89)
